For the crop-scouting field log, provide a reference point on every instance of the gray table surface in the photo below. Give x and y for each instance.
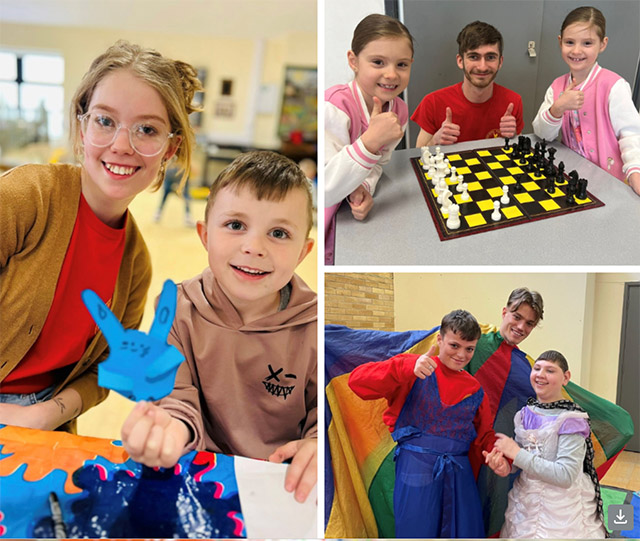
(400, 230)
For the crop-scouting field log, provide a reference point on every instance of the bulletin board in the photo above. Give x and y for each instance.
(299, 112)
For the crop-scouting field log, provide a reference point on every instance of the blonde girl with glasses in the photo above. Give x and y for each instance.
(66, 228)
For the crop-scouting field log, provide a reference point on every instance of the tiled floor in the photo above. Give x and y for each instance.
(176, 253)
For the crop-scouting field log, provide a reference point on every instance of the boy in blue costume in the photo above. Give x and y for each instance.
(441, 420)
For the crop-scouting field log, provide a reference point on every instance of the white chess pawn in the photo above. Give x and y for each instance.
(447, 170)
(453, 222)
(442, 184)
(461, 182)
(465, 194)
(495, 215)
(505, 195)
(454, 178)
(432, 175)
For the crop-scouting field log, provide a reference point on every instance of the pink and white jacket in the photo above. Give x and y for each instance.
(348, 164)
(609, 122)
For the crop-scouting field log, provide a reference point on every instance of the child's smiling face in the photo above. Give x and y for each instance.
(255, 246)
(382, 68)
(547, 379)
(455, 352)
(580, 46)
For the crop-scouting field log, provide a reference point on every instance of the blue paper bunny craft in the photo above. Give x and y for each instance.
(140, 366)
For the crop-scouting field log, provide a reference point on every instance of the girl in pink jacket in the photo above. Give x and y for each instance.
(592, 105)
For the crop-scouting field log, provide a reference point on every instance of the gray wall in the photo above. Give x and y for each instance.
(435, 25)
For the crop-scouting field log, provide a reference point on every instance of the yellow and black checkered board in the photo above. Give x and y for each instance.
(486, 171)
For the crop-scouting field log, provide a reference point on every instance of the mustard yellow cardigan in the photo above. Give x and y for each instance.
(38, 208)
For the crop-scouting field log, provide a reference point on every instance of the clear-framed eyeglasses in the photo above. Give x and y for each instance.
(146, 138)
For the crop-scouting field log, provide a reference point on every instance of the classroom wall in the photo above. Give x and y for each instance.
(248, 62)
(607, 321)
(582, 314)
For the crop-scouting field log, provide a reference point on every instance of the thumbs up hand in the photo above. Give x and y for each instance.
(448, 132)
(377, 107)
(384, 128)
(569, 100)
(508, 124)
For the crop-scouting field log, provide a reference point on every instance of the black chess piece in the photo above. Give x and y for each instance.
(560, 172)
(506, 143)
(522, 146)
(551, 187)
(517, 187)
(573, 175)
(543, 146)
(536, 150)
(529, 166)
(552, 154)
(571, 200)
(582, 189)
(572, 188)
(550, 170)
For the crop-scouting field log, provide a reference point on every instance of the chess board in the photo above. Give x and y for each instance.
(486, 171)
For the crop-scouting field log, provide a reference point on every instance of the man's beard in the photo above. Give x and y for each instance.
(483, 83)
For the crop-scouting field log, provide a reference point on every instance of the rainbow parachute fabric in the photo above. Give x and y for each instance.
(359, 468)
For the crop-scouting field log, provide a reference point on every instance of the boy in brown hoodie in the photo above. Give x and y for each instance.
(247, 327)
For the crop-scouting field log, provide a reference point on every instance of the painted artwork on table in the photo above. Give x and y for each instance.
(103, 493)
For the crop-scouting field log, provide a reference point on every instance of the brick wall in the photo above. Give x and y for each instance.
(359, 300)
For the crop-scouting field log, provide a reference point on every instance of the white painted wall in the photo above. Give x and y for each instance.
(341, 18)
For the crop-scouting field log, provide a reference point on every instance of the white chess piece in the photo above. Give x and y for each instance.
(453, 222)
(495, 215)
(505, 195)
(465, 194)
(446, 202)
(454, 178)
(445, 193)
(460, 180)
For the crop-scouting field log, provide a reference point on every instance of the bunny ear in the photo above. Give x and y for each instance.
(104, 318)
(165, 312)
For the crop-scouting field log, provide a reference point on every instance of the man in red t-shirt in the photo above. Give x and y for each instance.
(476, 108)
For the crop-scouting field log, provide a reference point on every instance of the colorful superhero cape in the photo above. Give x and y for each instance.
(140, 366)
(359, 469)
